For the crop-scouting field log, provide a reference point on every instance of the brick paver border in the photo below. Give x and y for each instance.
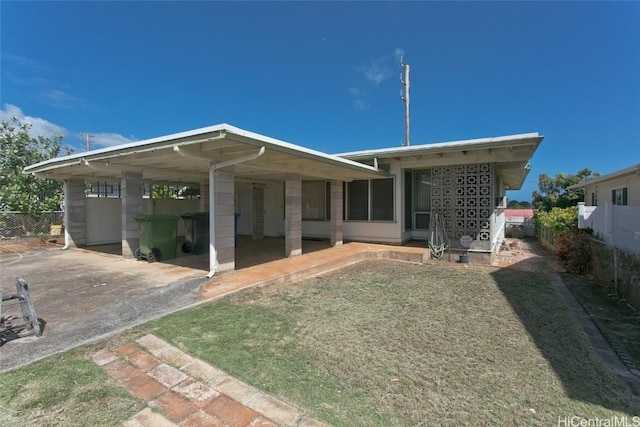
(182, 390)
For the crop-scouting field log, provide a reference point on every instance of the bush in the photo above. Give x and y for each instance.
(558, 219)
(573, 247)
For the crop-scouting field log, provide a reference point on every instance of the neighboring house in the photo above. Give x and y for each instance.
(519, 223)
(281, 189)
(612, 207)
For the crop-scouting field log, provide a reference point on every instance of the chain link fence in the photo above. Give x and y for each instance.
(19, 225)
(617, 269)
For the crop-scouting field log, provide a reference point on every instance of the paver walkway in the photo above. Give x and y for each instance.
(185, 391)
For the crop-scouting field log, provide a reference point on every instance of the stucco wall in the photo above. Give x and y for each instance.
(631, 181)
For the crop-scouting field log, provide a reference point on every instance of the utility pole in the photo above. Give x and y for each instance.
(404, 96)
(88, 140)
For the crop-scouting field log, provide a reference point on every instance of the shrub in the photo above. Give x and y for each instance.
(558, 219)
(573, 247)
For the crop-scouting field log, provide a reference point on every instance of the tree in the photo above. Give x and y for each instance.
(514, 204)
(553, 192)
(26, 192)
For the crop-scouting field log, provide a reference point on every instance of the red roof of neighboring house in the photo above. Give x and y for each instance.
(527, 213)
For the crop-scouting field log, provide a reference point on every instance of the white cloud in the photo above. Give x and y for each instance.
(59, 98)
(358, 98)
(380, 69)
(375, 72)
(42, 127)
(110, 139)
(359, 104)
(39, 127)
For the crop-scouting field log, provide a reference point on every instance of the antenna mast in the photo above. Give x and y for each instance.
(404, 96)
(88, 140)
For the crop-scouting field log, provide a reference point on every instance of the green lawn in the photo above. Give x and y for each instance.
(377, 344)
(387, 343)
(66, 389)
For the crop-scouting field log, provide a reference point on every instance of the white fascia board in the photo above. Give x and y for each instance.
(175, 139)
(413, 150)
(597, 179)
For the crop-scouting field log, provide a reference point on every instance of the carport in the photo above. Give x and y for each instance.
(214, 157)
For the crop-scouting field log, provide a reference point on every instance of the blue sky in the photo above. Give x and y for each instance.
(325, 75)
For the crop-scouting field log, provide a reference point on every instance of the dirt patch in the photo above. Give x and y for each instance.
(11, 246)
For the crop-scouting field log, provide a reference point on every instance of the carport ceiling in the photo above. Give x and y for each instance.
(186, 157)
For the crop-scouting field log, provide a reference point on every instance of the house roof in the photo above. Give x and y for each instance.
(635, 169)
(526, 213)
(186, 156)
(510, 155)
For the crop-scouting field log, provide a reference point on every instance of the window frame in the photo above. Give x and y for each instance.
(620, 194)
(366, 199)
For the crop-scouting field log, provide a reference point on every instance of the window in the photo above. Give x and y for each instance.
(594, 198)
(382, 199)
(358, 200)
(620, 196)
(102, 189)
(370, 200)
(313, 200)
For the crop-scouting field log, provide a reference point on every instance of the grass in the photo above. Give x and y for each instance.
(396, 344)
(376, 344)
(66, 389)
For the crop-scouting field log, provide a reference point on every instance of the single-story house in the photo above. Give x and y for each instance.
(619, 188)
(282, 189)
(612, 207)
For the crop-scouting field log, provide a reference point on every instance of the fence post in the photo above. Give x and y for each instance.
(615, 269)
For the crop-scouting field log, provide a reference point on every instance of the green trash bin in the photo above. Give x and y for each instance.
(158, 237)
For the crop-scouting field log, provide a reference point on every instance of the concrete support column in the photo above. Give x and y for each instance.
(131, 194)
(223, 225)
(336, 202)
(257, 211)
(74, 213)
(292, 215)
(204, 195)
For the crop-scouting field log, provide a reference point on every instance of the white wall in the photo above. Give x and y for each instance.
(383, 232)
(316, 229)
(274, 209)
(104, 216)
(103, 220)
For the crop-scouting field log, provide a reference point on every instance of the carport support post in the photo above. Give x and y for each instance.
(221, 220)
(336, 212)
(204, 196)
(74, 213)
(292, 215)
(131, 192)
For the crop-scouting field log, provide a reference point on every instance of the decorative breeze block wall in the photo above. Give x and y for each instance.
(463, 196)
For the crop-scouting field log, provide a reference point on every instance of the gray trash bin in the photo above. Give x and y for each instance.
(196, 235)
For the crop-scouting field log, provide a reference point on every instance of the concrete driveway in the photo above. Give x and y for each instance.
(83, 296)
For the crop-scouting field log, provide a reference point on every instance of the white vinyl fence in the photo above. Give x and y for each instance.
(617, 225)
